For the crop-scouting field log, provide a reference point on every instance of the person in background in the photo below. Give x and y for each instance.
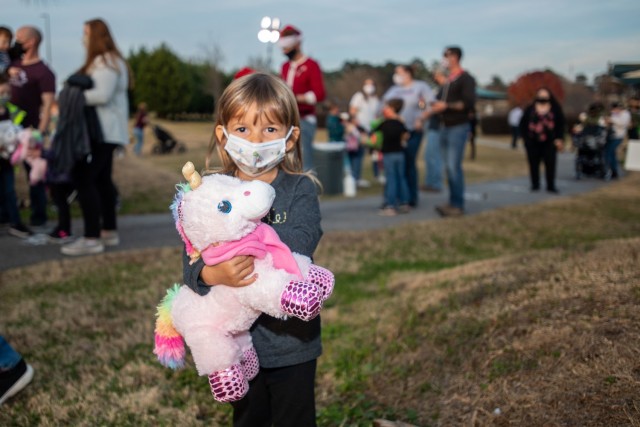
(473, 130)
(334, 123)
(93, 177)
(514, 117)
(304, 76)
(416, 96)
(6, 36)
(15, 373)
(634, 111)
(458, 99)
(33, 87)
(395, 137)
(432, 152)
(619, 121)
(542, 129)
(141, 120)
(9, 212)
(364, 107)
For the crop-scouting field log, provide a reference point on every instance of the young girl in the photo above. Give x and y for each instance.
(257, 137)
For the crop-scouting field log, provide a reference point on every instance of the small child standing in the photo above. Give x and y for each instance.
(9, 211)
(5, 42)
(395, 136)
(257, 138)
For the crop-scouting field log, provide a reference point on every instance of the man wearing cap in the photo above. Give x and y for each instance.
(303, 75)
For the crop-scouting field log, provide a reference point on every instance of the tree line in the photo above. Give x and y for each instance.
(179, 89)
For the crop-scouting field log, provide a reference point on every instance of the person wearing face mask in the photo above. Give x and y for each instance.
(364, 107)
(416, 95)
(542, 129)
(33, 90)
(257, 137)
(304, 76)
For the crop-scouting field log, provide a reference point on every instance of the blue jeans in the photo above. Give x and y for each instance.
(411, 156)
(433, 160)
(396, 191)
(9, 198)
(355, 162)
(610, 157)
(452, 143)
(307, 133)
(138, 133)
(9, 358)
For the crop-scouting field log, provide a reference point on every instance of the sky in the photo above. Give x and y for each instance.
(504, 38)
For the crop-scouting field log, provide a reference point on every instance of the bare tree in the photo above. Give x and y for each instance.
(213, 58)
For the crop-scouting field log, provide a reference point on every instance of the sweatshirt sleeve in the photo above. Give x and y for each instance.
(317, 93)
(191, 274)
(105, 79)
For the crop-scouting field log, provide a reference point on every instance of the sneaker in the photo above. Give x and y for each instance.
(110, 237)
(430, 189)
(83, 246)
(448, 210)
(382, 179)
(14, 380)
(363, 183)
(20, 230)
(404, 209)
(388, 212)
(59, 236)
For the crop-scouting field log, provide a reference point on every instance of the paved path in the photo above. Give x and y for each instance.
(157, 230)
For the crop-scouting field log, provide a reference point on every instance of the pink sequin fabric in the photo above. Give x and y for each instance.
(322, 278)
(250, 364)
(229, 384)
(301, 299)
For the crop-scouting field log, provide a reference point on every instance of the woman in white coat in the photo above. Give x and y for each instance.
(93, 176)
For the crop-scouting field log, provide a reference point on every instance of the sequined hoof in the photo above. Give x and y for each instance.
(229, 384)
(250, 364)
(323, 278)
(301, 299)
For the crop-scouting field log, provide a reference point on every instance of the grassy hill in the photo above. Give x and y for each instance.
(522, 316)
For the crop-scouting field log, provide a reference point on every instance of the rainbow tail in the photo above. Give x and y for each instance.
(169, 344)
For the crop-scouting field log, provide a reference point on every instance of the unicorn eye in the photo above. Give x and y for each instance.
(224, 206)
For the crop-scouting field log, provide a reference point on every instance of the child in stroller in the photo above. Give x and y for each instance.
(589, 138)
(166, 142)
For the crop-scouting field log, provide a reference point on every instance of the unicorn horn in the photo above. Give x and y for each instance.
(190, 174)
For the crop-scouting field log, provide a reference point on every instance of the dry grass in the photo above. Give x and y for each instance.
(522, 316)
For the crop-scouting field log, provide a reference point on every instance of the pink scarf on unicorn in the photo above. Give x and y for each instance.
(258, 243)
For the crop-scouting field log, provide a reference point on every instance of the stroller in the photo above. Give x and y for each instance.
(590, 161)
(166, 143)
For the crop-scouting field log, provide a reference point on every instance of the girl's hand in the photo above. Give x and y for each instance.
(236, 272)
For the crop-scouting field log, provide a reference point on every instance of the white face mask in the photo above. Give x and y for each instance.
(398, 79)
(254, 159)
(369, 89)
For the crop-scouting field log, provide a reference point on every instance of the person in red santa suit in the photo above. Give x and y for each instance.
(304, 76)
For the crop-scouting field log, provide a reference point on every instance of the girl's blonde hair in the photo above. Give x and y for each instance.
(274, 101)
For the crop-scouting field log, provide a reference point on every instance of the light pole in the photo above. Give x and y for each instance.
(47, 36)
(269, 34)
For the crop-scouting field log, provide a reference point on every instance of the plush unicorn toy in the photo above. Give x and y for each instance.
(219, 217)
